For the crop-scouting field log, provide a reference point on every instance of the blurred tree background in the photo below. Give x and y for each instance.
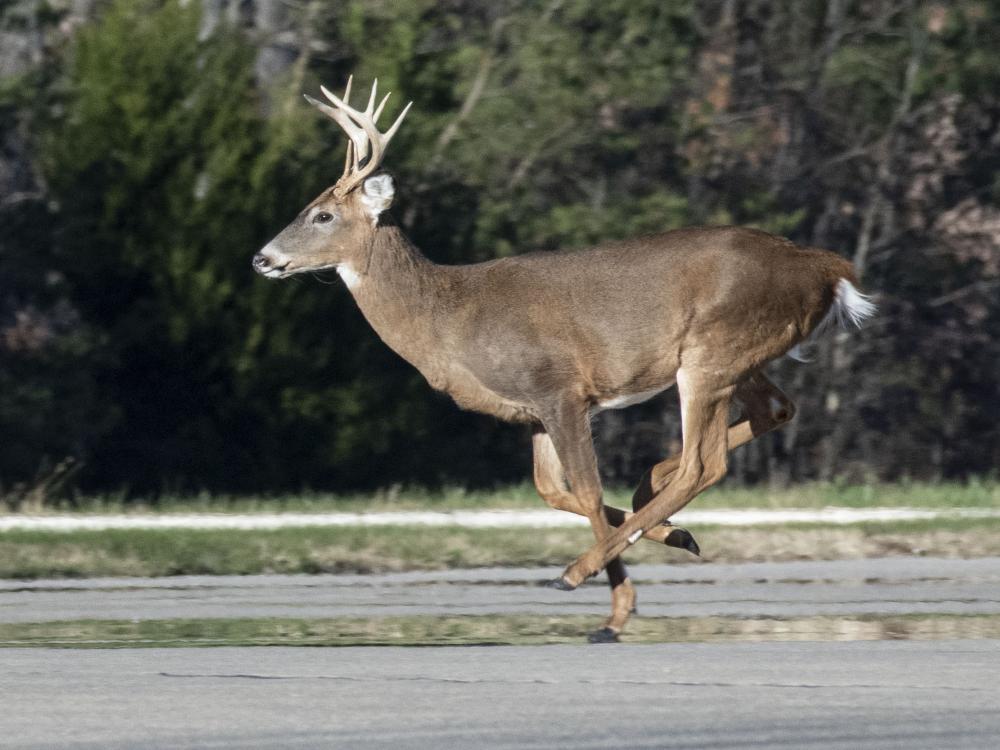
(149, 147)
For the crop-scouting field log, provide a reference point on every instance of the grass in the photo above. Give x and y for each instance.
(166, 552)
(481, 630)
(40, 554)
(974, 494)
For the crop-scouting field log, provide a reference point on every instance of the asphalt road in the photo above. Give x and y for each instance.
(881, 694)
(872, 694)
(888, 586)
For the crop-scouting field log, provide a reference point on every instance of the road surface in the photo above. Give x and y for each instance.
(881, 694)
(802, 694)
(886, 586)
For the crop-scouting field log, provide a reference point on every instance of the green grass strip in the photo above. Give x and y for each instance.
(972, 494)
(481, 630)
(166, 552)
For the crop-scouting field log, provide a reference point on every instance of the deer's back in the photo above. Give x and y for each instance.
(625, 314)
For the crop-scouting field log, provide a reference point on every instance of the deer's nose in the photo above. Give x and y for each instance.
(269, 263)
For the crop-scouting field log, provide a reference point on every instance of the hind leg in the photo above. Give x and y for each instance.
(764, 408)
(704, 407)
(550, 481)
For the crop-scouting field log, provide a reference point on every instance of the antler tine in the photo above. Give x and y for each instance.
(381, 105)
(342, 114)
(349, 152)
(369, 111)
(361, 123)
(395, 126)
(347, 88)
(349, 157)
(363, 132)
(379, 141)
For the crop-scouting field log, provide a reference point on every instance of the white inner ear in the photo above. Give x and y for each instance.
(377, 194)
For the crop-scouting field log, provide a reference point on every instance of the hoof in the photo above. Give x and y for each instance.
(560, 584)
(682, 539)
(604, 635)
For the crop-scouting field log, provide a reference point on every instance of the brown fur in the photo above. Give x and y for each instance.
(545, 338)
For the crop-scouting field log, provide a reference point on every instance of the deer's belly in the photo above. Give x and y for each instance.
(623, 401)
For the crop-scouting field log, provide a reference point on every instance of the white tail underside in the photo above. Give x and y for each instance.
(850, 308)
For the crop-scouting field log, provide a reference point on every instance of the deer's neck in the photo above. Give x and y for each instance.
(401, 295)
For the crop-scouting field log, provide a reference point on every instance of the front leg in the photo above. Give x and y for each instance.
(564, 454)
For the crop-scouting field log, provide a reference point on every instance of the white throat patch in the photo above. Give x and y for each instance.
(351, 277)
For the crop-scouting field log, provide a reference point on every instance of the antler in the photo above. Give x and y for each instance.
(367, 145)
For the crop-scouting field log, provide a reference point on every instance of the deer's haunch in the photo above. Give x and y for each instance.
(550, 338)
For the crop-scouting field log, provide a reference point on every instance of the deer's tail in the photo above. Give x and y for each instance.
(850, 308)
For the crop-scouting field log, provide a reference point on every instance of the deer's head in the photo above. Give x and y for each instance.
(335, 230)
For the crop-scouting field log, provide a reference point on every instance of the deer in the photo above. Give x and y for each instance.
(550, 338)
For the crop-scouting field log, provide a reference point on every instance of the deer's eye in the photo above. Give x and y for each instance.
(322, 217)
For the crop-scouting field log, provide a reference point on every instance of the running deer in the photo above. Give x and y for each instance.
(550, 338)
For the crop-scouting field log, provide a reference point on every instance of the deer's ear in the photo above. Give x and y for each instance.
(377, 194)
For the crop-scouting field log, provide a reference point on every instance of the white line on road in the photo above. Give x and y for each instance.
(471, 519)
